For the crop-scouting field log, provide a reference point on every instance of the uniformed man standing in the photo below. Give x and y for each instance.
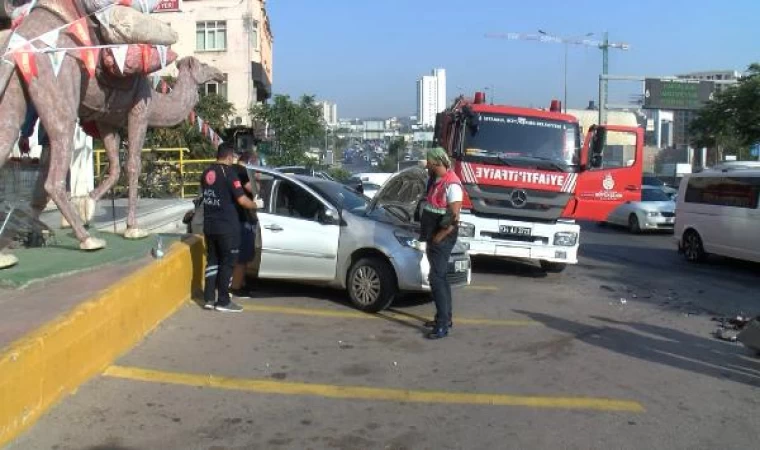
(221, 191)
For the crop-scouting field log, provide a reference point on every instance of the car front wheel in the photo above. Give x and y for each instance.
(633, 224)
(371, 284)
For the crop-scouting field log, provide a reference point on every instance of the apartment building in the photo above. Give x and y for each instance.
(232, 35)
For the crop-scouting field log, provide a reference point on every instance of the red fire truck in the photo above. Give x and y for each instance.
(528, 177)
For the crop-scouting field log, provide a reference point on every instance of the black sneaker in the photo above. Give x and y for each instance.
(438, 333)
(208, 305)
(229, 307)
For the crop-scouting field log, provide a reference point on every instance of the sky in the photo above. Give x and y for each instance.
(366, 55)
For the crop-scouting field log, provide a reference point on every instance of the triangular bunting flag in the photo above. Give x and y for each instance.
(155, 79)
(81, 31)
(90, 59)
(26, 62)
(120, 56)
(162, 54)
(17, 41)
(146, 56)
(50, 38)
(56, 59)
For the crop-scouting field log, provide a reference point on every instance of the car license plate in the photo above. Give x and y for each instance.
(516, 231)
(461, 266)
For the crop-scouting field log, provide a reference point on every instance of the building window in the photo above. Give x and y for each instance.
(255, 34)
(215, 87)
(211, 36)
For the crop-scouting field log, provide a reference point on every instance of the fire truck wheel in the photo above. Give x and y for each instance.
(552, 267)
(633, 224)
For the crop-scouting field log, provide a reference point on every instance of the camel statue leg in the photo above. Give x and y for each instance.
(12, 113)
(57, 106)
(111, 143)
(136, 129)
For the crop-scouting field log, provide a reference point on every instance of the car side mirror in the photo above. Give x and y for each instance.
(329, 216)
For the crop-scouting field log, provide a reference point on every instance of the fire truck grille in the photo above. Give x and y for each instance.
(528, 204)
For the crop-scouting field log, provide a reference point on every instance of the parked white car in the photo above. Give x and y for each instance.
(719, 213)
(319, 231)
(655, 211)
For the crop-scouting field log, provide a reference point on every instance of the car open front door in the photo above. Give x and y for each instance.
(611, 169)
(299, 234)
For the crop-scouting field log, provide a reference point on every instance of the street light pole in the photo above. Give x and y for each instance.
(567, 42)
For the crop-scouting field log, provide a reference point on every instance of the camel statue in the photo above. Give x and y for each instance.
(60, 100)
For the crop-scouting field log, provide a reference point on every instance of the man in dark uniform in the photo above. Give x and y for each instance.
(221, 191)
(248, 224)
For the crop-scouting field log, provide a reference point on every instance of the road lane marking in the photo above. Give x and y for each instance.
(482, 288)
(265, 386)
(315, 312)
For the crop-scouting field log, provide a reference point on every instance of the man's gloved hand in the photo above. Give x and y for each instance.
(259, 202)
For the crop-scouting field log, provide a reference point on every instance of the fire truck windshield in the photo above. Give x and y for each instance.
(519, 140)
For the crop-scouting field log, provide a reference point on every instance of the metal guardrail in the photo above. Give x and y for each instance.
(188, 170)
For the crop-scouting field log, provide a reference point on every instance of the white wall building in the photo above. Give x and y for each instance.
(235, 37)
(329, 113)
(431, 97)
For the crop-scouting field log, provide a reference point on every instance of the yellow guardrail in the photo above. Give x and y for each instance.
(189, 170)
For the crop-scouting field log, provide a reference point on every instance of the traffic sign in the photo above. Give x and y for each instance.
(677, 94)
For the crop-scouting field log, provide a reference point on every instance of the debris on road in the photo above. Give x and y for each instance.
(623, 301)
(750, 335)
(739, 328)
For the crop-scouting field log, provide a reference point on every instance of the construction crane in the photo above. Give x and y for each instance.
(604, 45)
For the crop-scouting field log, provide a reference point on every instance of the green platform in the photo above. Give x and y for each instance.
(64, 257)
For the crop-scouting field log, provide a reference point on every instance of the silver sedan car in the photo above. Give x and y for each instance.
(655, 211)
(319, 231)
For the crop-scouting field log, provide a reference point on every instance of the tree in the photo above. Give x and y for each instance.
(296, 127)
(390, 162)
(340, 174)
(731, 121)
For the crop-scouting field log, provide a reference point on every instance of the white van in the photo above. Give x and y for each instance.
(717, 212)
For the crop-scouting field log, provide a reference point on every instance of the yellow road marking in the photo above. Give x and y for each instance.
(264, 386)
(314, 312)
(482, 288)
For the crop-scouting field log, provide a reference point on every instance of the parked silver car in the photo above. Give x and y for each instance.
(655, 211)
(319, 231)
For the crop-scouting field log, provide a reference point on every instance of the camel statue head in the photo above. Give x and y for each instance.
(200, 72)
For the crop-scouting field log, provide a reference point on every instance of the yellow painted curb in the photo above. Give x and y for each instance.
(40, 368)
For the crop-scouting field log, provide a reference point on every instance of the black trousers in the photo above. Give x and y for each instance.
(222, 251)
(438, 256)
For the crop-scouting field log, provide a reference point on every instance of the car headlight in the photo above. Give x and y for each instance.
(407, 241)
(565, 238)
(466, 229)
(653, 213)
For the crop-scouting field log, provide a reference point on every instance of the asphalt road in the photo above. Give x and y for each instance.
(614, 353)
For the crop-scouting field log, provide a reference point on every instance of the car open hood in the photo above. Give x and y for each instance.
(403, 189)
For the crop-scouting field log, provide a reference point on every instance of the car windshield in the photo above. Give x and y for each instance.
(654, 195)
(340, 195)
(510, 138)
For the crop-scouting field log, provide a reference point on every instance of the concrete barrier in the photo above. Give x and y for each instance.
(39, 369)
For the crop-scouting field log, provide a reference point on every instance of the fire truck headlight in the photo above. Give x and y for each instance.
(565, 238)
(466, 230)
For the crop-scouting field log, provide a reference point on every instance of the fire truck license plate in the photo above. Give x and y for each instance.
(517, 231)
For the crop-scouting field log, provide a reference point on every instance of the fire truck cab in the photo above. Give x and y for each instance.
(528, 175)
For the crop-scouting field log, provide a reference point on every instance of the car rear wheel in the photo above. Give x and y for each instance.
(692, 247)
(552, 267)
(371, 284)
(633, 224)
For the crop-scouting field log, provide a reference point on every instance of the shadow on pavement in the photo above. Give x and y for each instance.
(505, 266)
(651, 343)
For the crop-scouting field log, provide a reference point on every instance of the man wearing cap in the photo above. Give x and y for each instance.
(439, 228)
(222, 192)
